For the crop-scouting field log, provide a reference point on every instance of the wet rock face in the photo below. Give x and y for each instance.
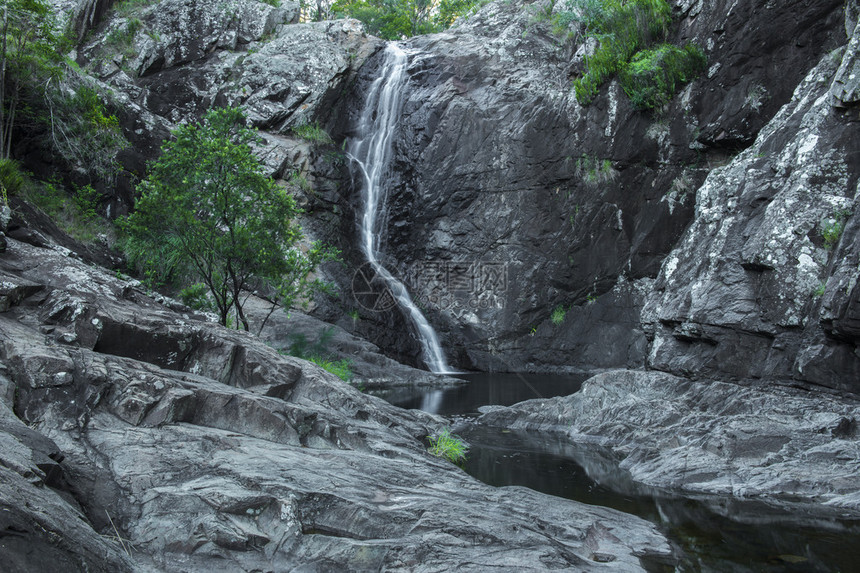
(201, 446)
(497, 163)
(713, 437)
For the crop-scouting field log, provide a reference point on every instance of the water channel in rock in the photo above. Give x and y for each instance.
(713, 533)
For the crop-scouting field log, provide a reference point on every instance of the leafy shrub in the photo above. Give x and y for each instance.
(655, 75)
(86, 134)
(301, 347)
(87, 201)
(317, 352)
(75, 215)
(621, 29)
(820, 290)
(11, 178)
(129, 7)
(449, 446)
(398, 19)
(299, 180)
(558, 315)
(120, 38)
(196, 296)
(90, 105)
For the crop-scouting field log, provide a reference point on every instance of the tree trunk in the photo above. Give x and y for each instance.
(4, 153)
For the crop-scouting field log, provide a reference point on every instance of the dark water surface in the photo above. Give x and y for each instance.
(485, 389)
(715, 533)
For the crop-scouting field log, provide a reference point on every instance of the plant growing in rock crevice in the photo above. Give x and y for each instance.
(831, 229)
(623, 30)
(654, 76)
(593, 171)
(558, 315)
(449, 446)
(313, 132)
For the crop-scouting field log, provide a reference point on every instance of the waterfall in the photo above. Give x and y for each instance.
(370, 150)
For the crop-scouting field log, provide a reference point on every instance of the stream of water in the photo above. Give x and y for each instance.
(370, 152)
(713, 533)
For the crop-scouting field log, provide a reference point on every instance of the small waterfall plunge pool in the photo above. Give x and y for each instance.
(713, 533)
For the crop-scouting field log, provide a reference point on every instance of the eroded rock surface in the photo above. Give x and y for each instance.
(202, 448)
(772, 443)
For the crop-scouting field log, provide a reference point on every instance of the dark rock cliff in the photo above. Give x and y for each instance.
(583, 206)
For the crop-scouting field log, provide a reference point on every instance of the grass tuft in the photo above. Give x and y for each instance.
(313, 132)
(339, 368)
(831, 230)
(558, 315)
(449, 446)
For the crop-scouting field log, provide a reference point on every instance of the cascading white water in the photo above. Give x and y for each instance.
(371, 151)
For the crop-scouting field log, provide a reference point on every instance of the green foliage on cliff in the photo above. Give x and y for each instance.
(340, 368)
(313, 132)
(831, 228)
(75, 213)
(11, 178)
(398, 19)
(623, 31)
(29, 58)
(318, 353)
(208, 213)
(44, 98)
(621, 28)
(84, 131)
(653, 76)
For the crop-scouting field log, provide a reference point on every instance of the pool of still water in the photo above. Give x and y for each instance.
(713, 533)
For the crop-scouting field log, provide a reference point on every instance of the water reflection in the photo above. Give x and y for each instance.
(484, 389)
(715, 533)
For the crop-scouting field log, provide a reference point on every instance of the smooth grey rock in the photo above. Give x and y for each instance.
(182, 31)
(43, 529)
(669, 432)
(207, 449)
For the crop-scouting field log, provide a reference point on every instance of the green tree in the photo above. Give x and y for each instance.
(209, 212)
(397, 19)
(28, 56)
